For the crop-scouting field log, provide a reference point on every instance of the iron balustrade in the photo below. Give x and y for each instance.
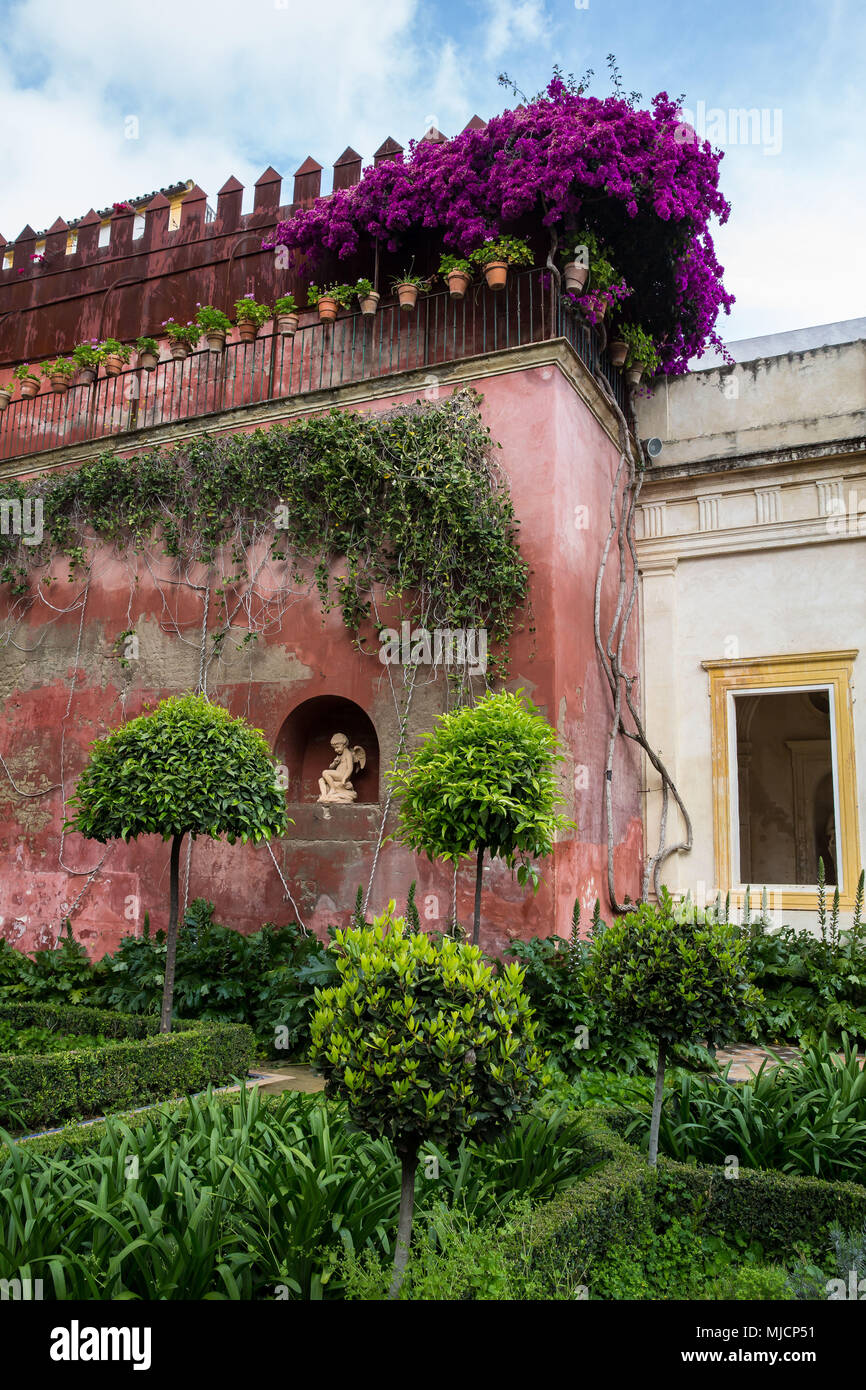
(317, 357)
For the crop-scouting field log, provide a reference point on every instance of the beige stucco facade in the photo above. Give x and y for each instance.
(752, 551)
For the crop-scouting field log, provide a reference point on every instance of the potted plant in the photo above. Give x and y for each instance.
(617, 349)
(329, 300)
(642, 354)
(496, 255)
(408, 287)
(86, 357)
(6, 393)
(286, 314)
(250, 316)
(28, 380)
(60, 373)
(182, 337)
(148, 353)
(113, 355)
(457, 274)
(367, 297)
(578, 258)
(214, 324)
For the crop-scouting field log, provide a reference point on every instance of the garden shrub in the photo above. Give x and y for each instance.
(266, 980)
(683, 979)
(424, 1043)
(135, 1067)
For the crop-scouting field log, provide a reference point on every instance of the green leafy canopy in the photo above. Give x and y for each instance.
(681, 979)
(485, 778)
(187, 767)
(421, 1039)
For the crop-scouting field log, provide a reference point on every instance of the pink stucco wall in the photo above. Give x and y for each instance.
(560, 464)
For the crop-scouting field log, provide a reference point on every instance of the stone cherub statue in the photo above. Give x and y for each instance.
(334, 783)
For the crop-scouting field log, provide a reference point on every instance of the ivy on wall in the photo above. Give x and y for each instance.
(410, 500)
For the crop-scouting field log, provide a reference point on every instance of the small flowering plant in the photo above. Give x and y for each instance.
(61, 366)
(504, 248)
(24, 372)
(642, 350)
(188, 333)
(211, 320)
(147, 345)
(343, 294)
(111, 347)
(363, 288)
(122, 207)
(248, 311)
(596, 303)
(286, 304)
(448, 264)
(87, 354)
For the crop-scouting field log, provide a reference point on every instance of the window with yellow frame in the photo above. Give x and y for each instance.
(784, 775)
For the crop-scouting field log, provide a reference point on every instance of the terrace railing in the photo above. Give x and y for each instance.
(317, 357)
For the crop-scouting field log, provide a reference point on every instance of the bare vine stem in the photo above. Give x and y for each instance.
(627, 483)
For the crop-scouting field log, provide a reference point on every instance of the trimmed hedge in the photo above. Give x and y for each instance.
(623, 1193)
(140, 1066)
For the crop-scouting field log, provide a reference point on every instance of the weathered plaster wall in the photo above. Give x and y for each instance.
(58, 695)
(752, 544)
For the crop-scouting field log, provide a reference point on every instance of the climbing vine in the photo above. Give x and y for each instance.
(409, 503)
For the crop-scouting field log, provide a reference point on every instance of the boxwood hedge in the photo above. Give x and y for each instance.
(137, 1066)
(623, 1194)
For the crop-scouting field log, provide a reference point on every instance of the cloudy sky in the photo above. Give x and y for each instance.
(219, 87)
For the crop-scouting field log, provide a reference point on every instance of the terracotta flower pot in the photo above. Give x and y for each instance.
(496, 274)
(407, 295)
(29, 387)
(5, 398)
(216, 339)
(617, 351)
(147, 360)
(369, 304)
(458, 282)
(247, 331)
(633, 375)
(327, 309)
(575, 276)
(59, 383)
(86, 376)
(179, 350)
(287, 324)
(113, 364)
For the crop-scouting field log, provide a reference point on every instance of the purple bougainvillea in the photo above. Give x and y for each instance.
(639, 179)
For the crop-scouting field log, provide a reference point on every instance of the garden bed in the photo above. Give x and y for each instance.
(134, 1066)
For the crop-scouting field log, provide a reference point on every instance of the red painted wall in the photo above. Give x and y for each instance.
(560, 465)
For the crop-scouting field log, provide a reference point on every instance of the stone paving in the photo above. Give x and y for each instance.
(746, 1058)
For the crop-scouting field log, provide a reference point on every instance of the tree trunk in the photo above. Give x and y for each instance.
(476, 922)
(171, 939)
(658, 1097)
(404, 1225)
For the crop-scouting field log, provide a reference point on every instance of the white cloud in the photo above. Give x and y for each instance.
(218, 87)
(513, 23)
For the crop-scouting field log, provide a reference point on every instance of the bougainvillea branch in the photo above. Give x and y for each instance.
(640, 179)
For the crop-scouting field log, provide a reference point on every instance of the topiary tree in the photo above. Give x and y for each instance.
(188, 767)
(681, 978)
(484, 781)
(424, 1044)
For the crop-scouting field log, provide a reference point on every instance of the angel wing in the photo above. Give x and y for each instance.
(360, 756)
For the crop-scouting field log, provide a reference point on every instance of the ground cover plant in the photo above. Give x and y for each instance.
(242, 1197)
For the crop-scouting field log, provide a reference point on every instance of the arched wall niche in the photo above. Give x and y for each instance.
(304, 746)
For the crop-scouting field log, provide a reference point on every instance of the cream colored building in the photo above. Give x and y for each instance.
(752, 551)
